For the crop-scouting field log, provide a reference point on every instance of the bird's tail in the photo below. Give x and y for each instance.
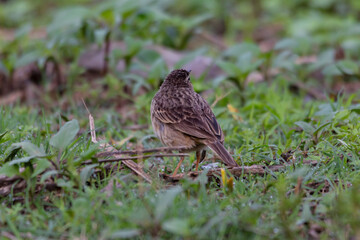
(225, 156)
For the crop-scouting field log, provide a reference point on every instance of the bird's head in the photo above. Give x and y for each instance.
(178, 78)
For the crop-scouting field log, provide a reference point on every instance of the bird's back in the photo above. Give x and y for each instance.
(186, 110)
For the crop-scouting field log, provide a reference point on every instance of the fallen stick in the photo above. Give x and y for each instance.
(133, 152)
(5, 180)
(136, 157)
(129, 163)
(14, 187)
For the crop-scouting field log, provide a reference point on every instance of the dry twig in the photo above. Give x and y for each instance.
(142, 151)
(138, 157)
(128, 162)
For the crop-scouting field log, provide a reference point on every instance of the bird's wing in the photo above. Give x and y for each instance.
(195, 119)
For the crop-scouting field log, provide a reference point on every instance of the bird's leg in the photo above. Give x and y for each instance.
(197, 160)
(203, 155)
(178, 166)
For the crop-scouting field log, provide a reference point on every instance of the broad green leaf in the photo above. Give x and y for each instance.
(324, 58)
(177, 226)
(100, 35)
(139, 82)
(326, 109)
(30, 148)
(287, 43)
(148, 56)
(65, 135)
(23, 30)
(306, 214)
(141, 216)
(274, 112)
(48, 174)
(13, 152)
(89, 153)
(308, 128)
(27, 58)
(218, 80)
(189, 57)
(321, 127)
(211, 223)
(65, 184)
(125, 233)
(195, 21)
(203, 178)
(68, 18)
(348, 67)
(331, 70)
(344, 114)
(133, 46)
(355, 108)
(241, 49)
(165, 200)
(3, 135)
(285, 60)
(249, 65)
(157, 71)
(351, 44)
(109, 16)
(41, 165)
(230, 68)
(9, 170)
(86, 173)
(21, 160)
(25, 159)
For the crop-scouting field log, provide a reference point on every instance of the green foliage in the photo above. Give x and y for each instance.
(65, 135)
(255, 206)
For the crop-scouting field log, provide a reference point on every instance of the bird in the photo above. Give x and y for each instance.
(181, 117)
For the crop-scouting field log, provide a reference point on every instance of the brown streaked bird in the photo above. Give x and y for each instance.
(182, 118)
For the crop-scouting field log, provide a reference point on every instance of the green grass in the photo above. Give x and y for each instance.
(258, 207)
(272, 122)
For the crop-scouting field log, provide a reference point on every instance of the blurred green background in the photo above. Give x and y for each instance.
(313, 42)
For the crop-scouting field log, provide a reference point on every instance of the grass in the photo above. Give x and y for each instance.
(276, 121)
(286, 204)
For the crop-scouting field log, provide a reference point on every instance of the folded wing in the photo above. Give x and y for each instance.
(196, 120)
